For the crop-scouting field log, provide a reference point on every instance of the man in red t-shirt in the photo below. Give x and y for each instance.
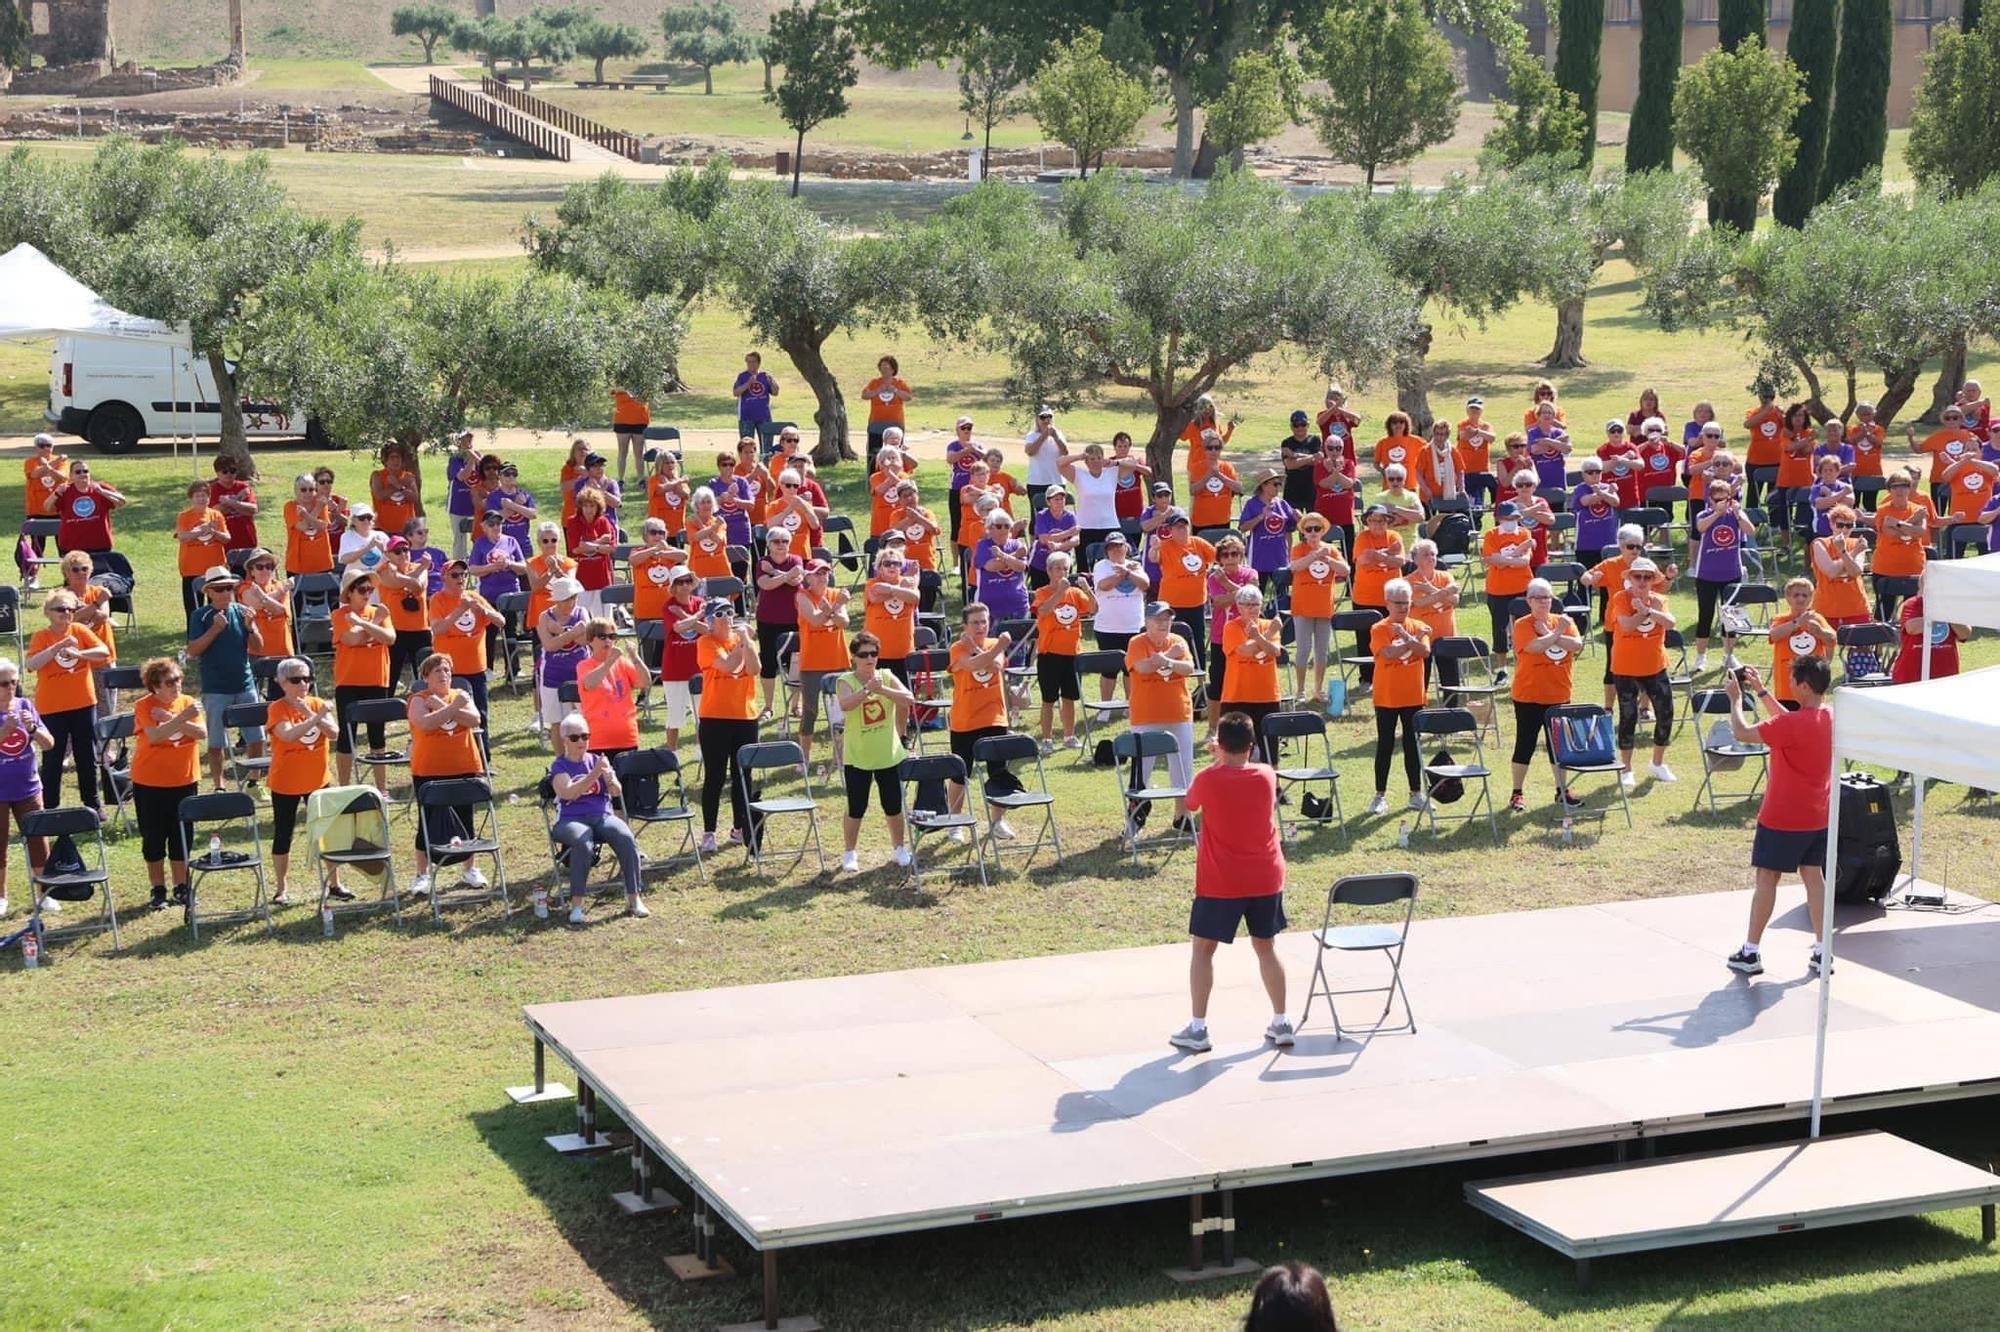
(1239, 875)
(1791, 823)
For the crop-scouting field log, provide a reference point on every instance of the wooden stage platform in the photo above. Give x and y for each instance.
(817, 1110)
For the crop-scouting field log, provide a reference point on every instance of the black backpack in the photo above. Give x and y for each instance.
(63, 859)
(1446, 790)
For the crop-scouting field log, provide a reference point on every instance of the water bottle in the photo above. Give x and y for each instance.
(215, 848)
(31, 951)
(1569, 832)
(541, 901)
(326, 921)
(1403, 833)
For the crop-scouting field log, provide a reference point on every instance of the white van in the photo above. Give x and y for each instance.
(117, 391)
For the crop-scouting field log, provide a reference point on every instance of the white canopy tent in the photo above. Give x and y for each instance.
(39, 300)
(1947, 729)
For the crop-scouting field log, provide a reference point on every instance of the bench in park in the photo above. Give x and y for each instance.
(630, 83)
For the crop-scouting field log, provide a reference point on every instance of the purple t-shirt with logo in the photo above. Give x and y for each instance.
(1552, 471)
(494, 586)
(1004, 594)
(1047, 524)
(1719, 555)
(459, 503)
(1595, 528)
(594, 804)
(1822, 519)
(755, 404)
(1269, 531)
(20, 763)
(519, 531)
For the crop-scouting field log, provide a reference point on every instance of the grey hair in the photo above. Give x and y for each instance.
(1538, 587)
(285, 667)
(1525, 475)
(547, 529)
(8, 664)
(1424, 547)
(1060, 559)
(45, 438)
(702, 495)
(792, 476)
(1396, 587)
(897, 431)
(1396, 471)
(1631, 532)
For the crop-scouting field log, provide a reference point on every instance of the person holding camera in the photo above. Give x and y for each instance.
(1791, 822)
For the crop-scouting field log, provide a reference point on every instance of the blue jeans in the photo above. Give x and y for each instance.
(581, 835)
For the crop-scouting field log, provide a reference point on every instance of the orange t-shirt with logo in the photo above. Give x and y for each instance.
(1252, 676)
(392, 512)
(198, 557)
(919, 542)
(1443, 620)
(823, 648)
(1398, 684)
(1899, 556)
(894, 621)
(1213, 502)
(64, 683)
(708, 552)
(96, 594)
(1315, 584)
(1474, 455)
(1059, 620)
(274, 630)
(1867, 444)
(1370, 580)
(409, 608)
(1767, 429)
(651, 587)
(298, 765)
(1795, 464)
(977, 699)
(1400, 450)
(612, 705)
(1838, 598)
(168, 763)
(669, 506)
(1508, 580)
(1947, 447)
(1541, 677)
(1640, 651)
(306, 554)
(463, 637)
(1184, 567)
(725, 695)
(452, 750)
(1789, 641)
(1157, 700)
(38, 489)
(1971, 490)
(555, 566)
(365, 663)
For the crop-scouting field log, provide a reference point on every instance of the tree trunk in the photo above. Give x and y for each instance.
(1413, 382)
(1951, 378)
(600, 69)
(830, 411)
(1206, 156)
(1167, 426)
(229, 398)
(430, 49)
(986, 153)
(1182, 87)
(767, 74)
(708, 80)
(1896, 391)
(1236, 158)
(1567, 354)
(798, 161)
(1370, 168)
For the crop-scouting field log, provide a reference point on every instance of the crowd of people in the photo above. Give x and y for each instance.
(1215, 591)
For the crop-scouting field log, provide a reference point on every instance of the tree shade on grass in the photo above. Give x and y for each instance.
(1859, 131)
(1649, 142)
(1579, 46)
(1810, 46)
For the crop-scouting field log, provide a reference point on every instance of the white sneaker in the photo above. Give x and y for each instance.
(1378, 806)
(1280, 1032)
(961, 835)
(576, 914)
(472, 877)
(1048, 747)
(1700, 662)
(1004, 830)
(1190, 1038)
(850, 862)
(1071, 742)
(51, 906)
(901, 855)
(1661, 772)
(1627, 780)
(637, 907)
(1419, 802)
(422, 886)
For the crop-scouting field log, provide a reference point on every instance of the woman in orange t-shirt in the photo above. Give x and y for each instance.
(1838, 562)
(301, 727)
(1639, 621)
(308, 530)
(1251, 642)
(1158, 665)
(1317, 572)
(65, 657)
(890, 612)
(1545, 392)
(1791, 510)
(202, 537)
(397, 489)
(668, 492)
(608, 685)
(444, 742)
(93, 612)
(572, 472)
(1400, 645)
(1545, 647)
(1903, 526)
(823, 624)
(1434, 600)
(727, 718)
(361, 638)
(1800, 631)
(268, 598)
(979, 705)
(460, 621)
(1378, 557)
(167, 739)
(707, 538)
(886, 394)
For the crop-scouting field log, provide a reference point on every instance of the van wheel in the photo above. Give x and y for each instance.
(114, 428)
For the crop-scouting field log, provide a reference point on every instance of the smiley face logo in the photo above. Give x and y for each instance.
(1558, 654)
(1274, 521)
(84, 506)
(1065, 616)
(1955, 448)
(894, 605)
(1191, 562)
(1769, 430)
(1319, 569)
(674, 499)
(791, 520)
(658, 573)
(982, 677)
(1215, 485)
(466, 622)
(1802, 644)
(1397, 454)
(14, 743)
(709, 544)
(66, 658)
(914, 532)
(1975, 481)
(1723, 534)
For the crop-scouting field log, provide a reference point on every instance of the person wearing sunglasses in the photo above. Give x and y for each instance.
(167, 735)
(592, 534)
(1903, 527)
(397, 489)
(363, 545)
(1608, 577)
(64, 657)
(727, 656)
(82, 506)
(201, 538)
(308, 530)
(609, 682)
(736, 493)
(1839, 562)
(21, 736)
(1705, 451)
(1400, 645)
(302, 727)
(1001, 559)
(1230, 574)
(268, 598)
(463, 623)
(223, 636)
(1720, 533)
(563, 631)
(753, 391)
(1830, 490)
(93, 612)
(1639, 620)
(585, 783)
(44, 477)
(546, 563)
(444, 731)
(234, 498)
(1545, 646)
(876, 706)
(1969, 482)
(405, 591)
(889, 611)
(515, 505)
(668, 492)
(337, 508)
(886, 393)
(595, 478)
(823, 621)
(362, 635)
(1865, 436)
(792, 510)
(1660, 458)
(919, 527)
(462, 471)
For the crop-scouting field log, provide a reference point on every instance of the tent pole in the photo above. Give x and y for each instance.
(1917, 778)
(1831, 869)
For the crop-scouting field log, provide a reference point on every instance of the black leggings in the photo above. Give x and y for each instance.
(409, 650)
(888, 786)
(720, 738)
(345, 697)
(76, 731)
(1656, 688)
(284, 821)
(162, 835)
(1529, 720)
(1386, 721)
(1707, 592)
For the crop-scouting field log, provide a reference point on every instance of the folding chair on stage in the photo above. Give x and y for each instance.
(386, 712)
(1012, 749)
(349, 826)
(77, 886)
(1366, 890)
(922, 775)
(782, 756)
(443, 806)
(1583, 741)
(1304, 727)
(114, 761)
(1721, 751)
(653, 794)
(243, 769)
(1146, 752)
(1089, 667)
(1444, 723)
(1867, 652)
(232, 815)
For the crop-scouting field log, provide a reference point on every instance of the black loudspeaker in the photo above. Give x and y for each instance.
(1868, 857)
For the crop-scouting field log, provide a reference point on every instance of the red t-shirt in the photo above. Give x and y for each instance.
(1909, 665)
(1801, 781)
(85, 520)
(1238, 854)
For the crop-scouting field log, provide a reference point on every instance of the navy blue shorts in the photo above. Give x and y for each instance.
(1788, 852)
(1216, 918)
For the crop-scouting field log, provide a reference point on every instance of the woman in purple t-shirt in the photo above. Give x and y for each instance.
(22, 735)
(1267, 522)
(583, 784)
(1720, 531)
(1056, 528)
(1002, 561)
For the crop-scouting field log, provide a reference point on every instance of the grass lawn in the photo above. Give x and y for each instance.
(289, 1130)
(312, 76)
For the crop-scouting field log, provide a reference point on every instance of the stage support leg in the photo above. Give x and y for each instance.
(1986, 1232)
(586, 1141)
(543, 1089)
(704, 1264)
(771, 1322)
(644, 1198)
(1199, 1225)
(1583, 1274)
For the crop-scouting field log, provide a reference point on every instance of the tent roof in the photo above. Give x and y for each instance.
(1964, 591)
(1946, 729)
(39, 300)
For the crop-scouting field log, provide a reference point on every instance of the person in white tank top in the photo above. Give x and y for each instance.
(1095, 482)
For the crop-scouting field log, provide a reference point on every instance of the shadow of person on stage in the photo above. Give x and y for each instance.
(1151, 1084)
(1722, 1012)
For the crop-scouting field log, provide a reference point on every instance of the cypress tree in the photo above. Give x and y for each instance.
(1650, 143)
(1811, 47)
(1579, 43)
(1968, 18)
(1737, 20)
(1859, 131)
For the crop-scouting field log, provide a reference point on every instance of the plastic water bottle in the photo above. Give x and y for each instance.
(1569, 831)
(215, 848)
(31, 951)
(326, 921)
(1403, 833)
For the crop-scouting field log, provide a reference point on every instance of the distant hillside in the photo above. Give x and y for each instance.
(193, 30)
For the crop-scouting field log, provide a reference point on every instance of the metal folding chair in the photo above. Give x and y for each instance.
(1476, 679)
(367, 851)
(1757, 601)
(232, 817)
(1304, 772)
(243, 769)
(45, 530)
(1867, 654)
(111, 570)
(1352, 622)
(1568, 764)
(1013, 749)
(387, 712)
(777, 755)
(75, 822)
(469, 799)
(10, 618)
(1680, 675)
(517, 638)
(1090, 666)
(1146, 752)
(545, 802)
(1721, 752)
(1894, 586)
(917, 773)
(114, 761)
(1444, 723)
(1365, 891)
(653, 793)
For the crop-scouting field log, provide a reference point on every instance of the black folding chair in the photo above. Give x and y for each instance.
(446, 805)
(517, 638)
(10, 618)
(1008, 797)
(1476, 679)
(1445, 723)
(1352, 622)
(114, 761)
(74, 822)
(1721, 751)
(43, 530)
(1366, 891)
(559, 854)
(384, 712)
(232, 817)
(768, 756)
(237, 718)
(924, 777)
(1891, 591)
(1867, 654)
(1091, 666)
(653, 793)
(1304, 771)
(1136, 756)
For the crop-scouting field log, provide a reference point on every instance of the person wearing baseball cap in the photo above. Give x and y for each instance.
(960, 453)
(1639, 619)
(1119, 583)
(1185, 560)
(564, 632)
(461, 621)
(681, 625)
(361, 638)
(1045, 445)
(1473, 453)
(223, 636)
(1298, 451)
(727, 655)
(461, 474)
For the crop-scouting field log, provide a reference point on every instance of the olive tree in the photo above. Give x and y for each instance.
(1638, 217)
